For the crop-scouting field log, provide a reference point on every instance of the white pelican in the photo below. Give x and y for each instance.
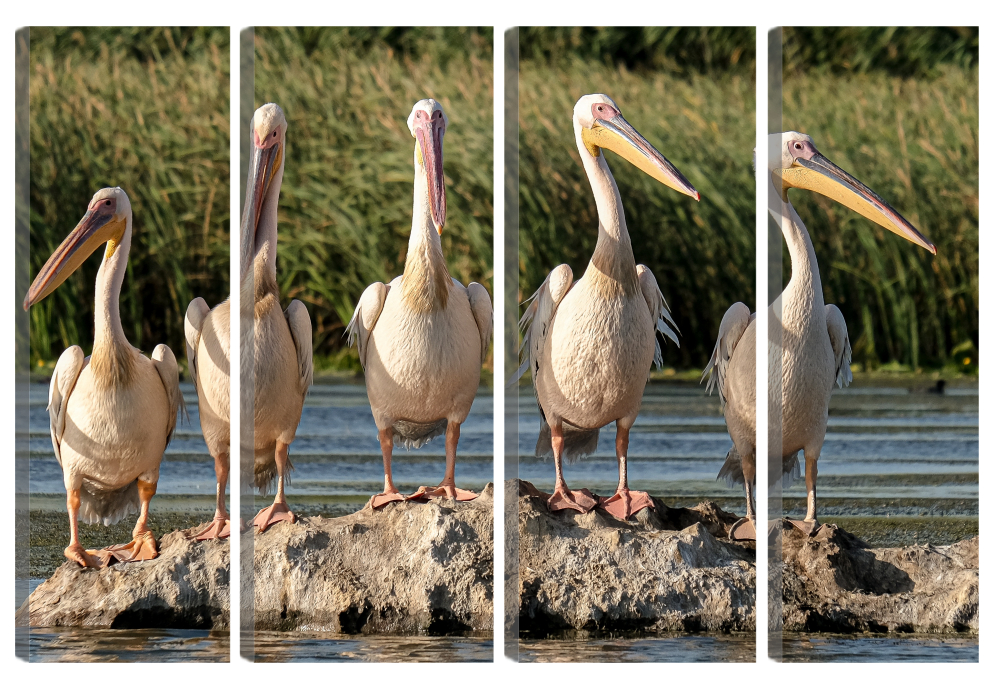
(207, 338)
(590, 344)
(423, 338)
(282, 345)
(815, 349)
(111, 415)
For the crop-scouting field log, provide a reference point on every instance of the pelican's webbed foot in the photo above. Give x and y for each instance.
(626, 503)
(77, 554)
(809, 527)
(581, 501)
(216, 529)
(141, 548)
(385, 498)
(273, 514)
(442, 490)
(743, 529)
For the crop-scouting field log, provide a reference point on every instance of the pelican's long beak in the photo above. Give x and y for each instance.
(264, 163)
(818, 174)
(430, 142)
(94, 229)
(619, 136)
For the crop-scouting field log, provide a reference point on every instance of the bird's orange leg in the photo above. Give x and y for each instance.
(625, 503)
(219, 527)
(390, 493)
(75, 551)
(447, 486)
(562, 498)
(279, 510)
(745, 529)
(810, 525)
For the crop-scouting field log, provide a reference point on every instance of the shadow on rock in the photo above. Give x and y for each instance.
(836, 582)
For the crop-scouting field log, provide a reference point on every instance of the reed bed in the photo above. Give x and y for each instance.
(915, 141)
(147, 110)
(347, 195)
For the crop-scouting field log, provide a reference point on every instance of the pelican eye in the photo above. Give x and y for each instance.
(107, 202)
(798, 145)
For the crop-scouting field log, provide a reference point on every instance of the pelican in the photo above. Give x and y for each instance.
(282, 341)
(112, 414)
(815, 348)
(423, 338)
(590, 344)
(206, 334)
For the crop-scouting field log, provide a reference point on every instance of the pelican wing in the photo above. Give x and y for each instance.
(482, 312)
(537, 319)
(841, 343)
(166, 366)
(365, 316)
(734, 323)
(64, 378)
(658, 310)
(194, 319)
(301, 327)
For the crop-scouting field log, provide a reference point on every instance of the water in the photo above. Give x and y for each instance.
(148, 645)
(310, 647)
(671, 648)
(899, 648)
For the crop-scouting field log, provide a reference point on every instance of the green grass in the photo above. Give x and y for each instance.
(347, 195)
(702, 253)
(147, 110)
(916, 143)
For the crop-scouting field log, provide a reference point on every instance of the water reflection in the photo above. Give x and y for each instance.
(672, 648)
(887, 648)
(278, 647)
(149, 645)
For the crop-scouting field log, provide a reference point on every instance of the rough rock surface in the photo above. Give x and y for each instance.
(410, 567)
(667, 569)
(186, 586)
(835, 582)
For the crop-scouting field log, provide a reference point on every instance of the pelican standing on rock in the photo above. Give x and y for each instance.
(282, 341)
(424, 337)
(590, 344)
(112, 414)
(815, 349)
(206, 333)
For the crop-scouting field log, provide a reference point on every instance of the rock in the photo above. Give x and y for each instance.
(835, 582)
(668, 569)
(186, 586)
(410, 567)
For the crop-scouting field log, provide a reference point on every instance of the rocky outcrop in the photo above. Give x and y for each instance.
(667, 569)
(835, 582)
(186, 586)
(409, 567)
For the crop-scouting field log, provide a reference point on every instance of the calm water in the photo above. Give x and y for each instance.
(666, 648)
(306, 647)
(851, 649)
(150, 645)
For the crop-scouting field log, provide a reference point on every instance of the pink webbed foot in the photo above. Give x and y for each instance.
(216, 529)
(743, 529)
(626, 503)
(442, 491)
(385, 498)
(273, 514)
(581, 501)
(809, 527)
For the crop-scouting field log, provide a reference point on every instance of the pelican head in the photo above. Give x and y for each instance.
(105, 221)
(602, 126)
(803, 167)
(267, 156)
(427, 123)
